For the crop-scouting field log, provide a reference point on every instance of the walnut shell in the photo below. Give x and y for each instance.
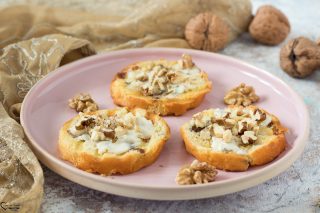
(269, 26)
(300, 57)
(207, 32)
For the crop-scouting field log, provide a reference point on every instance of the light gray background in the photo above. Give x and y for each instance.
(295, 190)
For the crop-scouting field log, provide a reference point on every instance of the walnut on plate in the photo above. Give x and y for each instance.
(196, 173)
(241, 95)
(187, 61)
(158, 82)
(162, 76)
(83, 103)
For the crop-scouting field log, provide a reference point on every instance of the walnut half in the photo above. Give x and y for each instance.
(187, 61)
(241, 95)
(196, 173)
(83, 103)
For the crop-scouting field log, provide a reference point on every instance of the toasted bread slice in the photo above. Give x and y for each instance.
(160, 86)
(235, 138)
(116, 141)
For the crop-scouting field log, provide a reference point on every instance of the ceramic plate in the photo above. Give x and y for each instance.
(45, 109)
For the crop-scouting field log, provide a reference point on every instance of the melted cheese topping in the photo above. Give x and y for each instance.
(116, 148)
(115, 134)
(225, 139)
(220, 145)
(145, 126)
(146, 75)
(131, 137)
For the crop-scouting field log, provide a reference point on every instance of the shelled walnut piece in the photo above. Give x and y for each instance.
(300, 57)
(187, 61)
(241, 95)
(241, 126)
(83, 103)
(196, 173)
(269, 26)
(158, 83)
(123, 128)
(164, 78)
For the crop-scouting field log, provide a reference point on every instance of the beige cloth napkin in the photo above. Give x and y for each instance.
(21, 65)
(35, 40)
(122, 25)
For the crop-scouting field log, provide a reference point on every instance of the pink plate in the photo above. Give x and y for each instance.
(45, 109)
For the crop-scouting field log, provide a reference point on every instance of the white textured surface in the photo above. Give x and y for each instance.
(296, 190)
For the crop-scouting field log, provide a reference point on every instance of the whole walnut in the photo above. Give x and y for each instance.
(269, 26)
(207, 32)
(300, 57)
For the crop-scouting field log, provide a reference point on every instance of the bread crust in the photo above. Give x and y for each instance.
(226, 161)
(231, 161)
(268, 152)
(108, 163)
(123, 96)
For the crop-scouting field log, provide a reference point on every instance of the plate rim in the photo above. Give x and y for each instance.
(272, 170)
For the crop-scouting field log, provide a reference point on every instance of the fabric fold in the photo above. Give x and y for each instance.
(21, 65)
(121, 24)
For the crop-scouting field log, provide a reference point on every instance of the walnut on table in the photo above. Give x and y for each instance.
(241, 95)
(83, 103)
(300, 57)
(196, 173)
(269, 26)
(207, 31)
